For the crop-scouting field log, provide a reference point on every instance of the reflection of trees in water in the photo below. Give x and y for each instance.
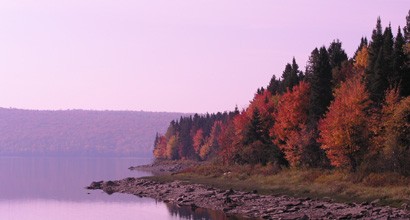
(186, 212)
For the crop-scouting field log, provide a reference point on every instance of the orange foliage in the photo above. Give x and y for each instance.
(290, 129)
(361, 59)
(211, 145)
(161, 148)
(344, 132)
(198, 140)
(227, 142)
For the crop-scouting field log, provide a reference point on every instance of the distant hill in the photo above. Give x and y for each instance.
(80, 132)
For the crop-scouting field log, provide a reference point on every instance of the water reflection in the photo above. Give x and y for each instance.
(60, 178)
(53, 188)
(186, 212)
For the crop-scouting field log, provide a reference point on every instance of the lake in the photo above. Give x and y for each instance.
(54, 188)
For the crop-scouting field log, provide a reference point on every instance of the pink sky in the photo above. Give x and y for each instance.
(162, 55)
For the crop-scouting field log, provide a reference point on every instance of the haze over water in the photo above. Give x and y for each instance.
(41, 188)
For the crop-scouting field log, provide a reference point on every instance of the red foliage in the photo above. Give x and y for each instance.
(344, 131)
(227, 142)
(290, 129)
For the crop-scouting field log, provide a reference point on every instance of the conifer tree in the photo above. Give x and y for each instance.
(376, 77)
(399, 62)
(290, 76)
(320, 73)
(336, 54)
(274, 86)
(405, 91)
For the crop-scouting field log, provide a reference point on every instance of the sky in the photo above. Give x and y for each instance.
(167, 55)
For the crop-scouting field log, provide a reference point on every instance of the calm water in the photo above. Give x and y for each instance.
(53, 188)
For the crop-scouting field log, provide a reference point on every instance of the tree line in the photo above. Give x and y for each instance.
(350, 113)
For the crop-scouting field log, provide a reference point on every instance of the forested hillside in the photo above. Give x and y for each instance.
(79, 132)
(340, 112)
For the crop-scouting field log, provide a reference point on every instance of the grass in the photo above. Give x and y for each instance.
(389, 188)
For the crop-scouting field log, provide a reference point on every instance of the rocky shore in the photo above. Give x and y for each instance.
(165, 167)
(247, 204)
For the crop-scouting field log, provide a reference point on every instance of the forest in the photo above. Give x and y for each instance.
(349, 113)
(80, 132)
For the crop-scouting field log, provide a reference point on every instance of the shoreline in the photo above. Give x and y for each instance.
(239, 203)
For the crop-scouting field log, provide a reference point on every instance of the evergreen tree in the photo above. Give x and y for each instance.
(375, 46)
(383, 68)
(407, 28)
(399, 61)
(320, 73)
(274, 86)
(310, 67)
(376, 78)
(406, 71)
(336, 54)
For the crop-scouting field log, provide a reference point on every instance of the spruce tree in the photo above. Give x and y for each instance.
(375, 47)
(399, 61)
(406, 72)
(336, 54)
(320, 80)
(274, 86)
(296, 74)
(290, 76)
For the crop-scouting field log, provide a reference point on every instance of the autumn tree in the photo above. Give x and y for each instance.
(342, 73)
(291, 131)
(211, 146)
(392, 133)
(361, 60)
(363, 43)
(172, 148)
(160, 147)
(344, 132)
(198, 141)
(227, 142)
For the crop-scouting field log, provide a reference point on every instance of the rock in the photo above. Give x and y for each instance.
(248, 204)
(327, 199)
(193, 206)
(304, 217)
(227, 200)
(266, 216)
(190, 189)
(95, 185)
(374, 202)
(320, 206)
(130, 179)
